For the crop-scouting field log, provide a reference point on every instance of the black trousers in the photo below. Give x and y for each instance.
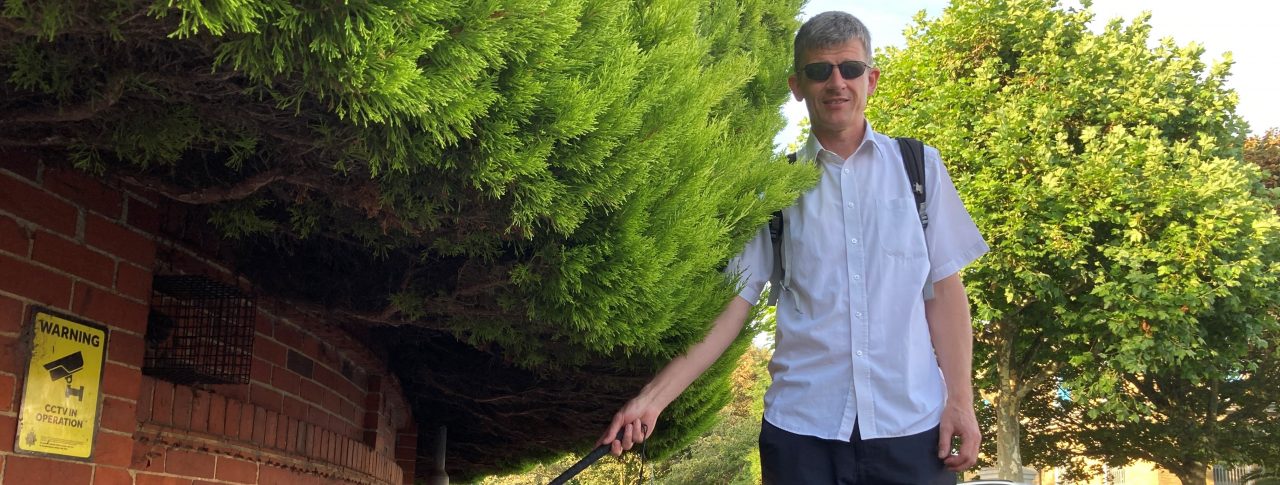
(792, 459)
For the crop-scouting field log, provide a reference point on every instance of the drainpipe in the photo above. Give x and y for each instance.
(438, 476)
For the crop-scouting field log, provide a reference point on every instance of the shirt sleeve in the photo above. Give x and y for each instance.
(952, 237)
(753, 266)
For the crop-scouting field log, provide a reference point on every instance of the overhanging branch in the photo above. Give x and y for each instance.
(211, 195)
(79, 112)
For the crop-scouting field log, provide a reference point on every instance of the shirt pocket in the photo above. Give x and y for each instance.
(898, 229)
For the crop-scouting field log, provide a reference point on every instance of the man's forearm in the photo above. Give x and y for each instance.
(677, 375)
(951, 331)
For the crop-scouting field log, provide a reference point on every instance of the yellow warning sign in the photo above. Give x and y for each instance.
(61, 395)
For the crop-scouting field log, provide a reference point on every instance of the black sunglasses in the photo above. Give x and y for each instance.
(820, 71)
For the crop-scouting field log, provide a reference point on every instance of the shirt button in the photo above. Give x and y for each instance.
(859, 353)
(858, 315)
(850, 205)
(853, 241)
(846, 170)
(857, 277)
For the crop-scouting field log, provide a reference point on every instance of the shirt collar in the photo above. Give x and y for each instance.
(813, 150)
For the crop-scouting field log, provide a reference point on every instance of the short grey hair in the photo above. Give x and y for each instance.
(830, 29)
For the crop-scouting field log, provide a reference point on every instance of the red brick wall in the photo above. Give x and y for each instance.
(319, 407)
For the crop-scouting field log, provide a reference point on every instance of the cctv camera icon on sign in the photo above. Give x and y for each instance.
(64, 368)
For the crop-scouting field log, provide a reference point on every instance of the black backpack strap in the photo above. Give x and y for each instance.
(775, 236)
(913, 162)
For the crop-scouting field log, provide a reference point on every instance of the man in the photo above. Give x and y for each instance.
(871, 381)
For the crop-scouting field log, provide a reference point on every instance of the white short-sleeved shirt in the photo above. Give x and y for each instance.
(852, 340)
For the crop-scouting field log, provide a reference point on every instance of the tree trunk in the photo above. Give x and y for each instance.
(1193, 474)
(1008, 402)
(1008, 436)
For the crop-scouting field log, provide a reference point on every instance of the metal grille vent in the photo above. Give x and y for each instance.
(199, 331)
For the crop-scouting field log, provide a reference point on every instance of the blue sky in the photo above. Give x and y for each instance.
(1243, 27)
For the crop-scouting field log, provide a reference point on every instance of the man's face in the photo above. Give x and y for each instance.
(837, 104)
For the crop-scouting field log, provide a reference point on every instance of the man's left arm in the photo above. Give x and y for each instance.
(951, 331)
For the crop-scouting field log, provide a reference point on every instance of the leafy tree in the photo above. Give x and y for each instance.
(524, 204)
(1129, 241)
(1264, 151)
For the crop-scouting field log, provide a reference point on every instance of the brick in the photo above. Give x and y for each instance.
(291, 435)
(13, 354)
(66, 255)
(282, 432)
(8, 430)
(121, 241)
(265, 397)
(259, 432)
(294, 408)
(12, 313)
(270, 427)
(35, 283)
(231, 427)
(121, 381)
(312, 391)
(36, 205)
(142, 216)
(315, 438)
(236, 470)
(317, 415)
(306, 439)
(313, 348)
(113, 449)
(185, 263)
(8, 394)
(260, 371)
(25, 164)
(332, 402)
(193, 464)
(149, 479)
(119, 415)
(103, 475)
(288, 335)
(231, 391)
(127, 349)
(286, 380)
(84, 190)
(270, 351)
(264, 325)
(162, 403)
(300, 364)
(133, 281)
(217, 414)
(200, 411)
(147, 458)
(248, 414)
(13, 237)
(22, 469)
(108, 308)
(273, 474)
(183, 399)
(146, 389)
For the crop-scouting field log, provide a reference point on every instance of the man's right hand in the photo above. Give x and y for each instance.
(639, 416)
(636, 420)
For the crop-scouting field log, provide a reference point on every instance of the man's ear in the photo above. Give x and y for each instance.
(873, 77)
(794, 83)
